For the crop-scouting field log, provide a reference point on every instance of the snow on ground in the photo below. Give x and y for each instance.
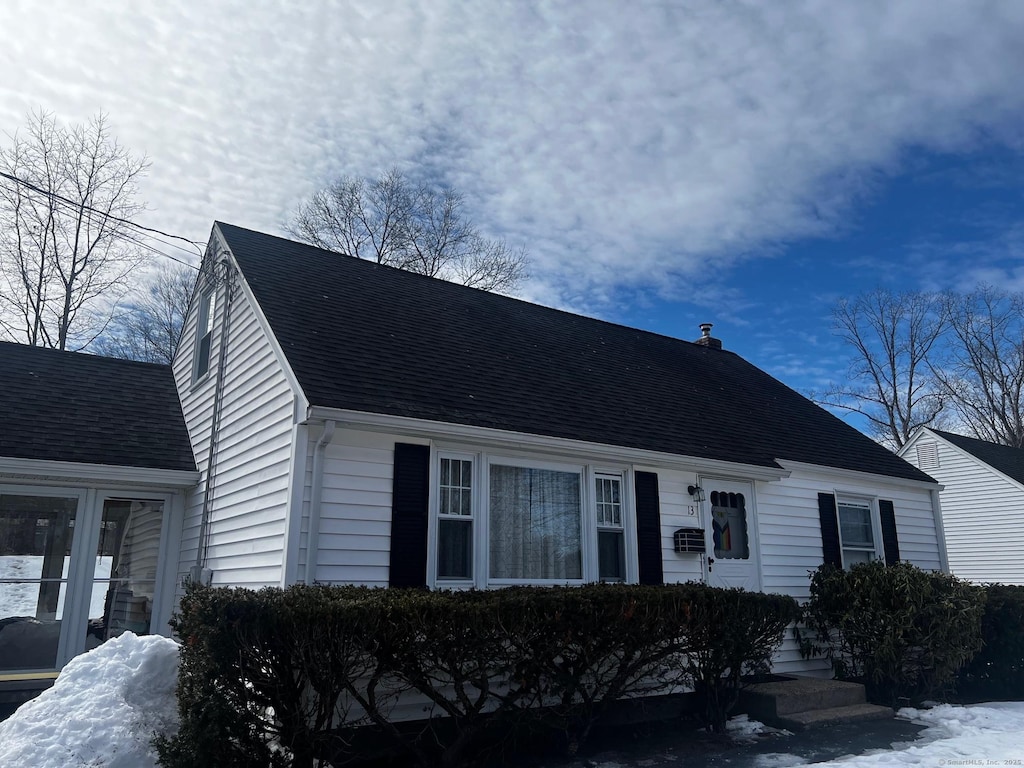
(989, 734)
(103, 710)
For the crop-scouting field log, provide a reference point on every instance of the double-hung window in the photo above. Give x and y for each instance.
(455, 518)
(505, 521)
(611, 539)
(857, 533)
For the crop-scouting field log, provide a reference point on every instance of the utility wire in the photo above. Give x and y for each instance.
(149, 231)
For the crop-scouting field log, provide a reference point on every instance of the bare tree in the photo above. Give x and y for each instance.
(67, 197)
(888, 380)
(149, 328)
(412, 226)
(981, 372)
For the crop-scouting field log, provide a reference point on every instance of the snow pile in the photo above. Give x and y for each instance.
(103, 710)
(742, 729)
(982, 734)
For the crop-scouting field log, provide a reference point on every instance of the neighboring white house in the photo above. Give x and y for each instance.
(373, 426)
(982, 502)
(95, 461)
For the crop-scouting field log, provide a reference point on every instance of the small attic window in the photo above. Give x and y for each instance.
(927, 455)
(204, 334)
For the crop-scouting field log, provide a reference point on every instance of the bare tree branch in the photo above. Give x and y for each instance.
(149, 328)
(888, 381)
(982, 374)
(418, 228)
(65, 246)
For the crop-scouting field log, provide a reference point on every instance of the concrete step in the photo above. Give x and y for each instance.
(852, 713)
(770, 701)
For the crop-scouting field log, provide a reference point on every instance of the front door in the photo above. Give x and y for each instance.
(730, 534)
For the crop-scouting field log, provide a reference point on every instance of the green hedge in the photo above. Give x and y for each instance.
(290, 677)
(997, 671)
(902, 631)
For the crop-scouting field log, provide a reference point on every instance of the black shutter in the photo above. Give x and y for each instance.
(648, 528)
(890, 541)
(830, 548)
(410, 493)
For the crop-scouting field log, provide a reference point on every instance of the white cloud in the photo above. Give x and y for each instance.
(623, 144)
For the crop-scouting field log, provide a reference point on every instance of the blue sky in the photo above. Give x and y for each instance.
(665, 163)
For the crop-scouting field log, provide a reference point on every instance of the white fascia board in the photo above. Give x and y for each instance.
(105, 474)
(434, 430)
(302, 404)
(854, 474)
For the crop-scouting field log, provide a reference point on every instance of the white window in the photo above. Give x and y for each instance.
(455, 519)
(77, 568)
(204, 333)
(505, 521)
(857, 533)
(535, 526)
(611, 540)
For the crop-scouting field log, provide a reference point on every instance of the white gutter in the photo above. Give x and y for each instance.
(437, 430)
(74, 471)
(855, 474)
(316, 494)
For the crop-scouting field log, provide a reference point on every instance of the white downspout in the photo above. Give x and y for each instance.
(315, 495)
(940, 531)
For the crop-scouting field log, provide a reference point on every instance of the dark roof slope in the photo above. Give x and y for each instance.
(69, 406)
(1005, 459)
(370, 338)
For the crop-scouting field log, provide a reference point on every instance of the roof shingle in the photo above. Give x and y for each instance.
(371, 338)
(69, 406)
(1004, 458)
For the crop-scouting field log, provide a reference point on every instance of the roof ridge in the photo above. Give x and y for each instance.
(407, 274)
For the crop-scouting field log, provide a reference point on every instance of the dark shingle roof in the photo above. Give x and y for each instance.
(370, 338)
(69, 406)
(1009, 461)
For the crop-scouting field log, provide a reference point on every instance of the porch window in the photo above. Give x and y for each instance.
(76, 568)
(856, 531)
(125, 568)
(36, 538)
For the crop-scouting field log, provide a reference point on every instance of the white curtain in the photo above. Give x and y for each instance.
(534, 523)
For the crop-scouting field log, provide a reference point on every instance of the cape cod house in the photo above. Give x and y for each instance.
(353, 423)
(982, 502)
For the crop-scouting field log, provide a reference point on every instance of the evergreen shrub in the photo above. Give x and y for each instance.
(297, 677)
(902, 631)
(997, 671)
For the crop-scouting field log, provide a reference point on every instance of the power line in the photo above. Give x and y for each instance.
(149, 231)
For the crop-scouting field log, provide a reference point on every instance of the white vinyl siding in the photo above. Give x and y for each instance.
(789, 531)
(354, 541)
(250, 492)
(982, 513)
